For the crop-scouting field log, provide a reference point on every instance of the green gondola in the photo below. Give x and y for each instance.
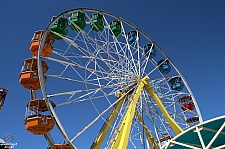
(61, 27)
(79, 19)
(116, 27)
(97, 23)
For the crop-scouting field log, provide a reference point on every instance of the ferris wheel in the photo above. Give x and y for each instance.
(104, 84)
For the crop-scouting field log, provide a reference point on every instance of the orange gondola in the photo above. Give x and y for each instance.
(37, 121)
(35, 43)
(39, 124)
(30, 80)
(29, 75)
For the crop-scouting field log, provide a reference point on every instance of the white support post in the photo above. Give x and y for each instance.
(200, 136)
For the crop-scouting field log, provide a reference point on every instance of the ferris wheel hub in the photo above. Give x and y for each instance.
(138, 79)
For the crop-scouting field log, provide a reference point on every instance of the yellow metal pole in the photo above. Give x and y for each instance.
(176, 128)
(150, 139)
(105, 128)
(122, 135)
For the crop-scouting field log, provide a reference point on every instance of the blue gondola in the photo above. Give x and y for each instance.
(149, 50)
(132, 37)
(164, 66)
(176, 83)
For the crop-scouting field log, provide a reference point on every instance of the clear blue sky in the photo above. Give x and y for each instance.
(192, 33)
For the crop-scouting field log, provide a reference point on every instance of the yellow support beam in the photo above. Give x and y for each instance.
(105, 128)
(176, 128)
(150, 139)
(122, 135)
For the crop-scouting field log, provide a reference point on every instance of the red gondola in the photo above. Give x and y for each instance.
(192, 119)
(185, 99)
(188, 106)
